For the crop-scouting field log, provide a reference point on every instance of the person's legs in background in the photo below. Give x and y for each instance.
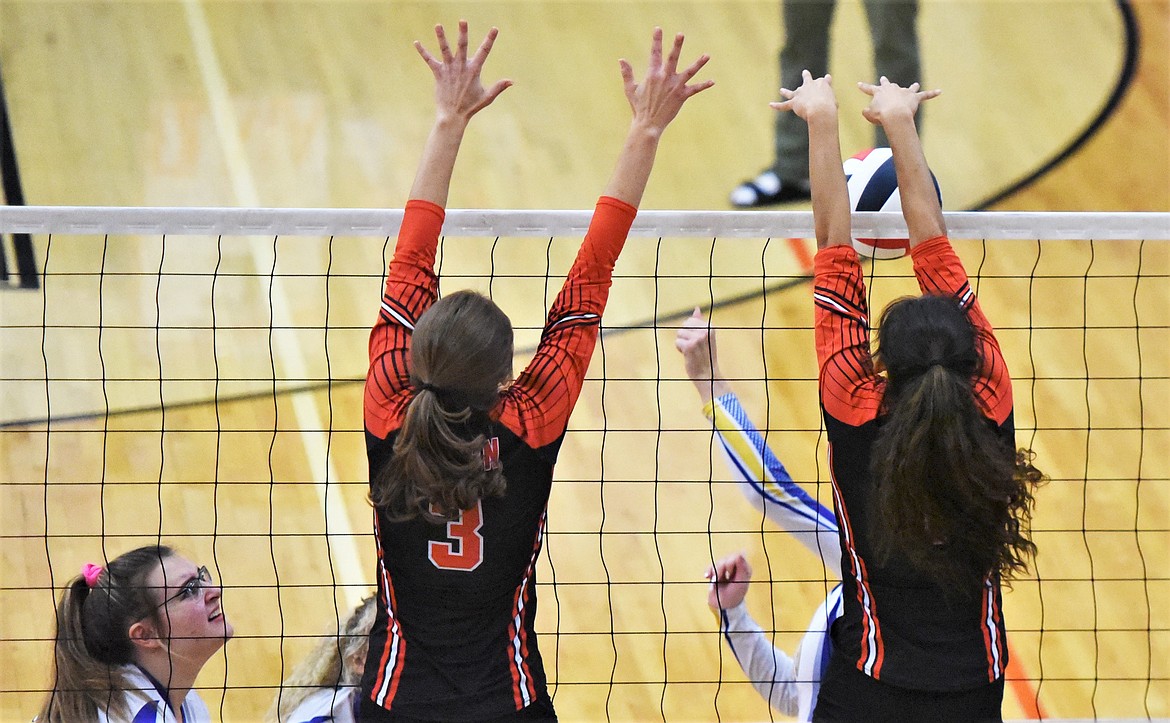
(893, 25)
(806, 45)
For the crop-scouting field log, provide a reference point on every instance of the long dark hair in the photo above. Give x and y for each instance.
(93, 637)
(460, 357)
(951, 495)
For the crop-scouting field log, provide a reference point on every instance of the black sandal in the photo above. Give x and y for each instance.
(787, 193)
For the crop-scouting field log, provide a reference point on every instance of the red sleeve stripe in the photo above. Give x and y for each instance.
(828, 303)
(587, 318)
(523, 686)
(991, 637)
(847, 292)
(873, 651)
(391, 315)
(965, 295)
(389, 673)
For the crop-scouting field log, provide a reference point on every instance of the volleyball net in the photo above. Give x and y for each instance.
(194, 376)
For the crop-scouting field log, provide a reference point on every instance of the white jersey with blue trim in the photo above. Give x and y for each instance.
(329, 705)
(790, 685)
(145, 702)
(767, 484)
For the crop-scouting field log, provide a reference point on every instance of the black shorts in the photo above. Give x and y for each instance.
(540, 711)
(847, 694)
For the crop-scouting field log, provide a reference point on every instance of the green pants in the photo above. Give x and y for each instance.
(892, 26)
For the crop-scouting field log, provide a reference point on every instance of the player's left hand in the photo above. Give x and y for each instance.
(815, 96)
(890, 99)
(729, 582)
(659, 97)
(695, 340)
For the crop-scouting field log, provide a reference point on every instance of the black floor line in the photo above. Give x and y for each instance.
(1124, 81)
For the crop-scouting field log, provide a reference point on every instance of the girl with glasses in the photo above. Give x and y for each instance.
(131, 639)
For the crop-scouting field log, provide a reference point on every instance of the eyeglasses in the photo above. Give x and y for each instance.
(191, 588)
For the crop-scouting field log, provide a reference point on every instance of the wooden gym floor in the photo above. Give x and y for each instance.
(1046, 106)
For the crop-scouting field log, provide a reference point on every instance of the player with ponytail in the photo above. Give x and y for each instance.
(932, 497)
(934, 430)
(461, 358)
(131, 638)
(461, 455)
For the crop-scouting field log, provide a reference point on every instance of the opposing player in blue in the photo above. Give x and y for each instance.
(788, 683)
(132, 636)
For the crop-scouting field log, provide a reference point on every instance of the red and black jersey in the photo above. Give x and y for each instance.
(899, 626)
(454, 636)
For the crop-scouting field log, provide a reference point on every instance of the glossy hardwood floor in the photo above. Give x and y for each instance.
(326, 104)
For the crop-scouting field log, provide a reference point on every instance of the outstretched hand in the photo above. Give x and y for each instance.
(891, 99)
(659, 97)
(729, 582)
(695, 340)
(459, 92)
(815, 95)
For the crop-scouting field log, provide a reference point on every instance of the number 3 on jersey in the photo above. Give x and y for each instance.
(463, 549)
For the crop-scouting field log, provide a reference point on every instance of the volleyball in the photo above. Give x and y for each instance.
(873, 186)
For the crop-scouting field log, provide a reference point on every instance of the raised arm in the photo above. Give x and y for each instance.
(815, 102)
(411, 284)
(459, 95)
(552, 381)
(893, 108)
(848, 383)
(936, 265)
(761, 476)
(695, 340)
(655, 103)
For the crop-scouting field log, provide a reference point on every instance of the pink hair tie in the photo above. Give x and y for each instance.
(91, 572)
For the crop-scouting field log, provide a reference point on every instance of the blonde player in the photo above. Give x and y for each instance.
(324, 686)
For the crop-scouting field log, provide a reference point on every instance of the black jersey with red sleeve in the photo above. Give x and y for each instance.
(899, 626)
(454, 636)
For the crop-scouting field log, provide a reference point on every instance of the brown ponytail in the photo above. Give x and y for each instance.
(950, 494)
(93, 639)
(460, 357)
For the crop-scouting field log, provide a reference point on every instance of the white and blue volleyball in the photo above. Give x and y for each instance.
(873, 186)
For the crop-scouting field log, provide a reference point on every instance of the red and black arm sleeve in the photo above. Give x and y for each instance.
(545, 393)
(411, 288)
(849, 388)
(939, 271)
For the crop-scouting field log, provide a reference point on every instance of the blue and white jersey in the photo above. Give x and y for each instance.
(790, 685)
(768, 486)
(146, 702)
(328, 705)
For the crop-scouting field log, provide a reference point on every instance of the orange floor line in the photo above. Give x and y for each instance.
(803, 256)
(1021, 686)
